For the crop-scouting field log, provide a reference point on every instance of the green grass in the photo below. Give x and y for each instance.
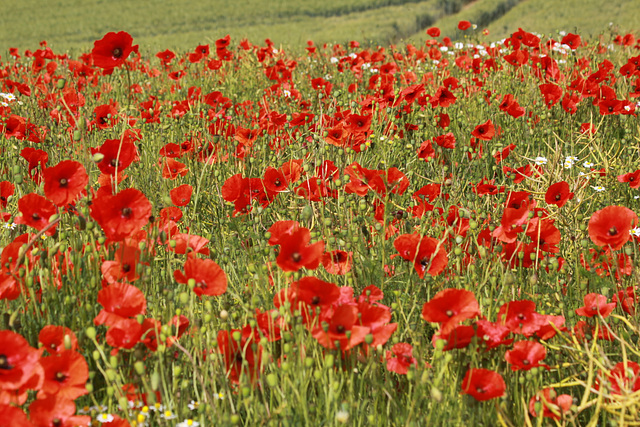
(587, 18)
(504, 17)
(300, 382)
(74, 24)
(174, 24)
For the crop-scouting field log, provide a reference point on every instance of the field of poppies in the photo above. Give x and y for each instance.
(443, 234)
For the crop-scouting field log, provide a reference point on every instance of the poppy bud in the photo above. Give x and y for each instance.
(155, 381)
(139, 367)
(328, 361)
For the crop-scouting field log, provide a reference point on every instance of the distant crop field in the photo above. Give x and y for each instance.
(73, 25)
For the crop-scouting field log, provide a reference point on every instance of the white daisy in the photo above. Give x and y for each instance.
(540, 161)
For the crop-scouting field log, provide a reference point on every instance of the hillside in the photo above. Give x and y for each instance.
(74, 24)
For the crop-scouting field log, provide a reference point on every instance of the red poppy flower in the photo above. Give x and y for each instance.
(337, 262)
(35, 158)
(442, 98)
(6, 190)
(426, 151)
(190, 244)
(446, 141)
(296, 252)
(112, 50)
(274, 180)
(64, 182)
(312, 293)
(241, 353)
(400, 358)
(118, 155)
(124, 266)
(209, 278)
(150, 333)
(595, 304)
(558, 194)
(166, 57)
(552, 324)
(459, 336)
(464, 25)
(181, 196)
(485, 131)
(551, 92)
(483, 384)
(553, 406)
(14, 126)
(270, 324)
(624, 379)
(627, 299)
(171, 168)
(422, 252)
(434, 32)
(525, 355)
(119, 301)
(610, 226)
(572, 40)
(106, 116)
(170, 213)
(56, 411)
(280, 229)
(520, 317)
(633, 178)
(449, 307)
(13, 416)
(18, 360)
(342, 329)
(376, 317)
(124, 333)
(121, 215)
(52, 338)
(65, 375)
(36, 211)
(492, 334)
(501, 155)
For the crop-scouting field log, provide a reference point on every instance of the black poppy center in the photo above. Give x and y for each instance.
(449, 313)
(126, 268)
(613, 231)
(117, 52)
(4, 362)
(60, 377)
(340, 329)
(296, 257)
(558, 197)
(315, 300)
(35, 216)
(63, 182)
(126, 212)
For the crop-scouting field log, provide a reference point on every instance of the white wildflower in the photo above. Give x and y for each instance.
(540, 160)
(104, 418)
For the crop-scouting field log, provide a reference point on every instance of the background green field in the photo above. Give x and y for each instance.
(182, 25)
